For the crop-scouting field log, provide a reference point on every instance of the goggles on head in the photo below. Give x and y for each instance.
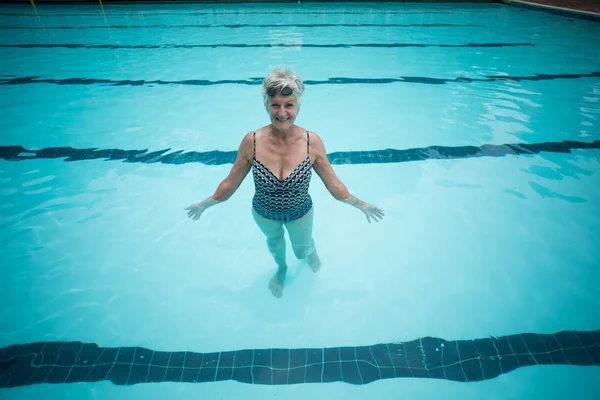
(285, 91)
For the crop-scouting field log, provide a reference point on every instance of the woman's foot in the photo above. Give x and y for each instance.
(276, 282)
(314, 261)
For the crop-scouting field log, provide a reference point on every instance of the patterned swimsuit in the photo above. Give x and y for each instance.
(284, 200)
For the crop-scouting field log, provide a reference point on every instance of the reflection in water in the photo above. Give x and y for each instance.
(545, 192)
(589, 108)
(284, 41)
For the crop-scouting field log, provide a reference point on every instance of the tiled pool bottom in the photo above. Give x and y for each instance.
(428, 357)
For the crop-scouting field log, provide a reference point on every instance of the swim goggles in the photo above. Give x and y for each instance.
(285, 91)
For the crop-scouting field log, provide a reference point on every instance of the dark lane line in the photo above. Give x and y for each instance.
(12, 80)
(243, 45)
(216, 157)
(235, 26)
(426, 357)
(291, 12)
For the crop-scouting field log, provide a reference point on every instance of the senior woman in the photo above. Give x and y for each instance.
(282, 156)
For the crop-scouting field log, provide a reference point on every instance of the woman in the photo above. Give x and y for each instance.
(282, 156)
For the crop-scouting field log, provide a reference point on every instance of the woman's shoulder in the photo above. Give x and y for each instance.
(314, 137)
(247, 145)
(248, 135)
(248, 138)
(256, 133)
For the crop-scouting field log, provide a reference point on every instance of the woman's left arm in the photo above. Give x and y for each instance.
(333, 184)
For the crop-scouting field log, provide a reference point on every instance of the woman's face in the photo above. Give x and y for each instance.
(282, 111)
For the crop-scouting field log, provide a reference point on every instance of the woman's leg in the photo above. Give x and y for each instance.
(274, 232)
(300, 231)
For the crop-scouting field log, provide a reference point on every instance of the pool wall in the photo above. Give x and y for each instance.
(586, 9)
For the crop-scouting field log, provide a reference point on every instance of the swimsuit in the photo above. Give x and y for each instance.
(284, 200)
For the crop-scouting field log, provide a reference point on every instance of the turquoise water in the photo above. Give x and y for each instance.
(101, 251)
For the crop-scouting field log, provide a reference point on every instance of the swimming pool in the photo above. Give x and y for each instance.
(474, 126)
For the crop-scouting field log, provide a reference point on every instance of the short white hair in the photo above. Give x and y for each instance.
(280, 78)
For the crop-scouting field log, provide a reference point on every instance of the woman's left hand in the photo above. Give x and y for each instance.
(372, 211)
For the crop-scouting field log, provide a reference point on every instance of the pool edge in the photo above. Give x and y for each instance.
(572, 12)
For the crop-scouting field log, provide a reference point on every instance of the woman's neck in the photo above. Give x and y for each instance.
(282, 134)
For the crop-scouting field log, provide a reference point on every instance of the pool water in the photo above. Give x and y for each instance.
(476, 127)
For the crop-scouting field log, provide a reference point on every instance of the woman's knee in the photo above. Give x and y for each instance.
(302, 251)
(273, 242)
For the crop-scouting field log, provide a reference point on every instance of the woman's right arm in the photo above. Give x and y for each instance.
(337, 189)
(232, 182)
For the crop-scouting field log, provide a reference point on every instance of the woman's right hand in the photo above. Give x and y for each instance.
(195, 211)
(372, 212)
